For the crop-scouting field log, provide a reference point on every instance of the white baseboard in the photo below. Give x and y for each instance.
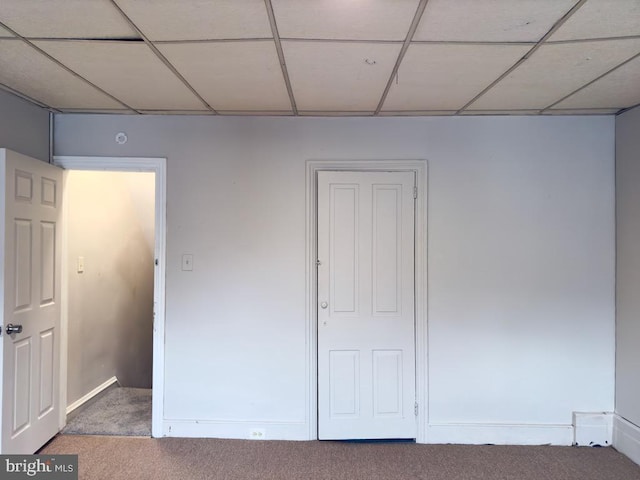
(91, 394)
(626, 438)
(500, 434)
(593, 429)
(240, 429)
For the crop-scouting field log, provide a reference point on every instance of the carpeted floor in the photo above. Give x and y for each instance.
(121, 411)
(127, 458)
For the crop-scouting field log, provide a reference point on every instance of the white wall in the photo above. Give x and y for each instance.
(24, 127)
(110, 304)
(521, 264)
(628, 265)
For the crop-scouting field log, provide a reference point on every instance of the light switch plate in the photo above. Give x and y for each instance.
(187, 262)
(80, 267)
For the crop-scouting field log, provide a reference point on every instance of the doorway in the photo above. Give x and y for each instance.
(110, 266)
(149, 243)
(419, 413)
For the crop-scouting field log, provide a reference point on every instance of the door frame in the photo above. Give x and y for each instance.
(125, 164)
(419, 167)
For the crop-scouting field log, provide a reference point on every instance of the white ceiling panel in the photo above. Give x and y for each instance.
(344, 20)
(65, 19)
(554, 71)
(31, 73)
(130, 71)
(338, 76)
(232, 75)
(601, 19)
(199, 19)
(446, 77)
(4, 33)
(490, 20)
(620, 88)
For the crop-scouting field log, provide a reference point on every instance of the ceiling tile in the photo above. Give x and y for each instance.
(65, 19)
(601, 19)
(25, 70)
(339, 76)
(128, 70)
(232, 75)
(344, 20)
(554, 71)
(199, 19)
(490, 20)
(619, 89)
(4, 33)
(446, 77)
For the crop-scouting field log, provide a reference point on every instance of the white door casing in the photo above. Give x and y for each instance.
(366, 320)
(31, 298)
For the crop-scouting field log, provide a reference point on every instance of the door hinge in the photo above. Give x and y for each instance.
(415, 192)
(318, 263)
(415, 409)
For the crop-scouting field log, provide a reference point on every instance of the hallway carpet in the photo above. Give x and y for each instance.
(121, 411)
(127, 458)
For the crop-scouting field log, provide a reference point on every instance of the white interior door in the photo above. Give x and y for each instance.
(31, 302)
(366, 328)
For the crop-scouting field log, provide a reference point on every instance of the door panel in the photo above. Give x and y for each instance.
(366, 339)
(31, 357)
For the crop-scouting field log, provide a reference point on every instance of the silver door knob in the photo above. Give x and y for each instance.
(11, 329)
(324, 305)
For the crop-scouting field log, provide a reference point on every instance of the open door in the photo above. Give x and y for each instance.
(30, 293)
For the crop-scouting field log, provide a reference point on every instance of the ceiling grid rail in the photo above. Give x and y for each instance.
(280, 51)
(405, 46)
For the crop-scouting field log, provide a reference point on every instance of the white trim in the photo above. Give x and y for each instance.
(311, 374)
(82, 400)
(501, 434)
(159, 167)
(3, 214)
(626, 438)
(238, 429)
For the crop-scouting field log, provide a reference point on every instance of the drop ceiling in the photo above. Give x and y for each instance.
(323, 57)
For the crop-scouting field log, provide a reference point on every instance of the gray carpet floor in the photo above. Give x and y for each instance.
(127, 458)
(120, 411)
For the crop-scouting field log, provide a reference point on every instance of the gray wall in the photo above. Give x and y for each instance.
(24, 127)
(520, 265)
(110, 225)
(628, 265)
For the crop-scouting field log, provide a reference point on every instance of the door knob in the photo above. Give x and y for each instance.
(11, 329)
(324, 305)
